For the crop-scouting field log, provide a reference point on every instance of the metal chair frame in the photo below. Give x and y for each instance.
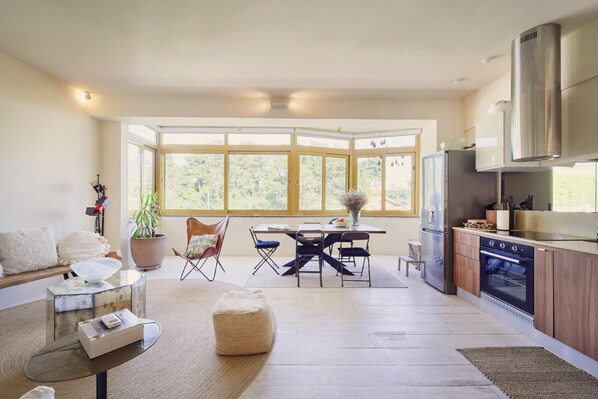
(195, 227)
(355, 251)
(309, 243)
(265, 252)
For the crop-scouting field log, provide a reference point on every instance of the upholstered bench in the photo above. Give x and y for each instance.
(244, 323)
(26, 277)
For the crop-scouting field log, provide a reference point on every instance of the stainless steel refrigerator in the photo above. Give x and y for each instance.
(452, 192)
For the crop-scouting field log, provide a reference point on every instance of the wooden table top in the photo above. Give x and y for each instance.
(65, 359)
(327, 228)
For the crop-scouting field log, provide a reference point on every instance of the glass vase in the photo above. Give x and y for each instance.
(354, 216)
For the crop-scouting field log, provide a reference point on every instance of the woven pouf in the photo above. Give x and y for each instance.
(243, 323)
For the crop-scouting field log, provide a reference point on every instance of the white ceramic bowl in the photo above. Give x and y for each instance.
(336, 223)
(96, 270)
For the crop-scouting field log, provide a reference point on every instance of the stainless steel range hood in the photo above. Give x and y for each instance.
(536, 94)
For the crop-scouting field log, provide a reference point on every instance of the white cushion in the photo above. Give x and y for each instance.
(1, 271)
(27, 250)
(41, 392)
(81, 245)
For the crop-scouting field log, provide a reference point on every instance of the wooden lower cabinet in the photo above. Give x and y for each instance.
(576, 301)
(466, 262)
(566, 298)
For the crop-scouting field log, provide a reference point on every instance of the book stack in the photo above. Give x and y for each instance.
(97, 339)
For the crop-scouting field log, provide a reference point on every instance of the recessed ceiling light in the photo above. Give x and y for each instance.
(459, 81)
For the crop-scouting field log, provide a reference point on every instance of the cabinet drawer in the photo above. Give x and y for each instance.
(467, 239)
(466, 250)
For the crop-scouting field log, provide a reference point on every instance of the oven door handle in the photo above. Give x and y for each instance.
(500, 257)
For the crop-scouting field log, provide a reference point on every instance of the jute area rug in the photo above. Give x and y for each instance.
(182, 364)
(266, 278)
(532, 373)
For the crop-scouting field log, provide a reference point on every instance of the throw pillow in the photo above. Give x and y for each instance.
(27, 250)
(81, 245)
(1, 271)
(198, 245)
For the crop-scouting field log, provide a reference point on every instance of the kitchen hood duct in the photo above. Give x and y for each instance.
(536, 94)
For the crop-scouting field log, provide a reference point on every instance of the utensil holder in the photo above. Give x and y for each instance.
(502, 220)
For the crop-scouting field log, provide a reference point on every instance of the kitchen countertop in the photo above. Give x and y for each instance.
(579, 246)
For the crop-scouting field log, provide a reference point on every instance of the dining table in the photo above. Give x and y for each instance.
(332, 234)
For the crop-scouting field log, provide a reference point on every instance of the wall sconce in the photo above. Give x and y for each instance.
(279, 103)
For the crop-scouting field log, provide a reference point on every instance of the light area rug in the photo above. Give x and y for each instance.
(532, 373)
(182, 364)
(266, 278)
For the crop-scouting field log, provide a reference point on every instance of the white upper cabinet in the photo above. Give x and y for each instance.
(493, 145)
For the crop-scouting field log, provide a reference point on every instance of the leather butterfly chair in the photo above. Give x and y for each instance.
(195, 227)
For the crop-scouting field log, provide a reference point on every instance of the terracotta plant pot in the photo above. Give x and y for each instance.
(148, 253)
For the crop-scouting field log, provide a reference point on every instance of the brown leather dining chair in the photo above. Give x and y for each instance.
(197, 259)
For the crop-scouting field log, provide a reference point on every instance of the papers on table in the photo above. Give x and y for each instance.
(279, 227)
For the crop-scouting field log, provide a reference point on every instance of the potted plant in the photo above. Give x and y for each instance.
(354, 200)
(147, 247)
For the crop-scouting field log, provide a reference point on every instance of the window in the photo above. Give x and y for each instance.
(149, 171)
(144, 133)
(258, 182)
(134, 176)
(324, 142)
(278, 172)
(399, 183)
(259, 139)
(310, 182)
(193, 138)
(141, 164)
(194, 181)
(336, 181)
(574, 189)
(385, 142)
(321, 176)
(369, 180)
(389, 176)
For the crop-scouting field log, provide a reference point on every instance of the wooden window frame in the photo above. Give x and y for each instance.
(293, 151)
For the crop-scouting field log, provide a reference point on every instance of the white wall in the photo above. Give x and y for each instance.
(49, 152)
(476, 104)
(115, 177)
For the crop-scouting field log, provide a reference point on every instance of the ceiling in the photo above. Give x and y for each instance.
(260, 48)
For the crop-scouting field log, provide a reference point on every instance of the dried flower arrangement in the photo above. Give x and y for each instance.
(354, 200)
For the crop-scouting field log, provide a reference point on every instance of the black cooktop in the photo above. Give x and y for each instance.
(540, 236)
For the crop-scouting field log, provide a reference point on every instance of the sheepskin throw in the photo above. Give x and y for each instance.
(81, 245)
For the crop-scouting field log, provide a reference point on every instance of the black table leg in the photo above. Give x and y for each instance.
(102, 385)
(329, 240)
(293, 265)
(339, 266)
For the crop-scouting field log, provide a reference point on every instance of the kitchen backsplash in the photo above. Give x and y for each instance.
(570, 223)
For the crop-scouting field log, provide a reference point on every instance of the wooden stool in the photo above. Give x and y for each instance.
(414, 256)
(408, 259)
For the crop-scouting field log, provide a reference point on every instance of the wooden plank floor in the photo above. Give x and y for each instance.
(370, 342)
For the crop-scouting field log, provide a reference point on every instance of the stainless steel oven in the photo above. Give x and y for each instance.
(507, 272)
